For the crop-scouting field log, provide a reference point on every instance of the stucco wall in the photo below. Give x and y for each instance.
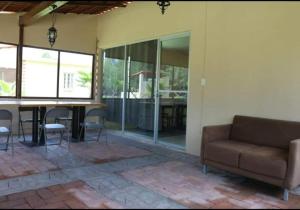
(248, 52)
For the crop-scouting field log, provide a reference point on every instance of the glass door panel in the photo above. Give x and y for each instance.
(113, 85)
(140, 87)
(173, 91)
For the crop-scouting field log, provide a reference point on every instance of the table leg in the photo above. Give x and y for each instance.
(42, 115)
(75, 123)
(81, 121)
(78, 118)
(35, 126)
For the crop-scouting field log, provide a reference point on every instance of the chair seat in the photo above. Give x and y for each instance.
(268, 161)
(64, 118)
(27, 120)
(4, 130)
(54, 126)
(226, 151)
(92, 125)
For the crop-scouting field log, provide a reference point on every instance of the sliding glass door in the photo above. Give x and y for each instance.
(140, 86)
(173, 91)
(145, 86)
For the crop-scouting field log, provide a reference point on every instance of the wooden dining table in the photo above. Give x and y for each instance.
(39, 108)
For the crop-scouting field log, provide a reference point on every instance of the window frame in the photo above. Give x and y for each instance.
(58, 75)
(17, 46)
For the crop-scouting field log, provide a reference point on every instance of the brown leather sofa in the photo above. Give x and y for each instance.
(263, 149)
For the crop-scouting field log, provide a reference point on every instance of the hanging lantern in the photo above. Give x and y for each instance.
(52, 35)
(163, 5)
(52, 32)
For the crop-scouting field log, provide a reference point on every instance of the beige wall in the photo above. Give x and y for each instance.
(253, 61)
(143, 21)
(9, 28)
(75, 32)
(249, 52)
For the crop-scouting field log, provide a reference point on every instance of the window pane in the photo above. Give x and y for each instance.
(174, 64)
(173, 78)
(39, 72)
(76, 73)
(141, 66)
(8, 65)
(142, 78)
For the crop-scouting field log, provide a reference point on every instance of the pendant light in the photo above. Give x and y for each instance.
(52, 32)
(163, 5)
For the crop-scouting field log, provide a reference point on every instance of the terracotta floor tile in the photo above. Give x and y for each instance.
(178, 181)
(208, 191)
(76, 195)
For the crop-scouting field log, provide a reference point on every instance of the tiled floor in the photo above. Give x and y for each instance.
(75, 195)
(188, 186)
(124, 174)
(25, 162)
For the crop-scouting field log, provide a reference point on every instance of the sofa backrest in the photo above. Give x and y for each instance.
(264, 132)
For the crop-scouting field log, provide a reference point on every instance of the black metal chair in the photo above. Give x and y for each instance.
(66, 118)
(23, 120)
(47, 127)
(7, 116)
(99, 113)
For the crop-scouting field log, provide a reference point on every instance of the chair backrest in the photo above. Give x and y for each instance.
(25, 109)
(56, 113)
(5, 115)
(97, 112)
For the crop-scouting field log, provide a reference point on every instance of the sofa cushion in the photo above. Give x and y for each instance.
(264, 132)
(226, 151)
(266, 161)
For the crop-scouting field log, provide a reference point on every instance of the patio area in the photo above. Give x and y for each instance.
(124, 174)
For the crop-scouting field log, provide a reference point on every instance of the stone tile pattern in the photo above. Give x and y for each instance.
(101, 152)
(23, 163)
(126, 174)
(187, 185)
(130, 194)
(73, 195)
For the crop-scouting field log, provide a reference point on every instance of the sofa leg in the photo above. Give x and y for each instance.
(204, 169)
(286, 195)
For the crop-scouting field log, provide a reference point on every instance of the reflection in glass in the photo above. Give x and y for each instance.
(8, 65)
(173, 78)
(39, 72)
(112, 85)
(141, 68)
(173, 86)
(173, 110)
(76, 72)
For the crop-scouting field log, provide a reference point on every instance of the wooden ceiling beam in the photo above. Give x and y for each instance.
(25, 7)
(5, 6)
(39, 11)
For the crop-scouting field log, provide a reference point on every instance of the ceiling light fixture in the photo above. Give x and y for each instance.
(163, 5)
(52, 32)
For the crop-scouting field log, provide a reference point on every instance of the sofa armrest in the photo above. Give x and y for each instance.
(212, 133)
(293, 173)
